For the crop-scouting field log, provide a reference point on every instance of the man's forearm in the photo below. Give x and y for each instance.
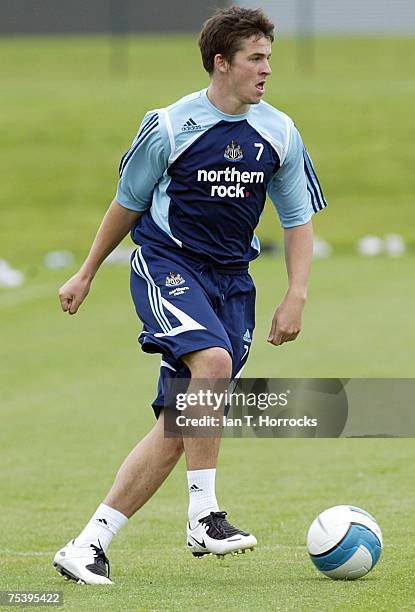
(115, 225)
(298, 256)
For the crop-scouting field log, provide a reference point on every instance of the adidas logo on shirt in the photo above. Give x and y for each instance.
(191, 126)
(247, 337)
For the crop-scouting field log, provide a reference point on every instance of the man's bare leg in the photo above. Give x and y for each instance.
(208, 531)
(213, 364)
(210, 365)
(152, 460)
(139, 477)
(144, 470)
(141, 474)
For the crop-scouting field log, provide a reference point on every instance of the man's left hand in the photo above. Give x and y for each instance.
(286, 324)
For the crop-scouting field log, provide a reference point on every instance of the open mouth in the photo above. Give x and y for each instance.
(260, 87)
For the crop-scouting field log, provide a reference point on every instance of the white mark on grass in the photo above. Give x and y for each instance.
(32, 553)
(27, 553)
(289, 546)
(28, 294)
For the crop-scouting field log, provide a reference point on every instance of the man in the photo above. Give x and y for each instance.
(192, 188)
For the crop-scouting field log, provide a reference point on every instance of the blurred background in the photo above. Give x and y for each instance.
(76, 79)
(78, 76)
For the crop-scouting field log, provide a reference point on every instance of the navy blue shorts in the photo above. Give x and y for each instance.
(186, 306)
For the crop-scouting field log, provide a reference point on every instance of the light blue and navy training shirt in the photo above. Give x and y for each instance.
(201, 178)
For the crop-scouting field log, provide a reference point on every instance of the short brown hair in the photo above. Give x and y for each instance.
(224, 32)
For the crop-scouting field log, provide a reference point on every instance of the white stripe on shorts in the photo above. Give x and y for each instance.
(164, 364)
(153, 292)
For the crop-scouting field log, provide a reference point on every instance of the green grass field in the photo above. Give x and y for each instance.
(75, 391)
(75, 398)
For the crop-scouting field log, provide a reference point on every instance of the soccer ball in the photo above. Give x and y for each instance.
(344, 542)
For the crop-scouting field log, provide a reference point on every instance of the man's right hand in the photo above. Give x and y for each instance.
(115, 225)
(73, 292)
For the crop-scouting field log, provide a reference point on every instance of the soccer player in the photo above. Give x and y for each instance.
(191, 191)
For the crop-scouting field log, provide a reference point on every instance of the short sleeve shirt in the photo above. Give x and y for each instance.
(201, 178)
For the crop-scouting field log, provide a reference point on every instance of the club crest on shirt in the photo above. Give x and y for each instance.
(233, 152)
(174, 279)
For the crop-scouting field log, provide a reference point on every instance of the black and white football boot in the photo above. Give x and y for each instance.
(212, 534)
(84, 564)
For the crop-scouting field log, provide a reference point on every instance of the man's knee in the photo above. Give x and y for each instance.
(213, 362)
(172, 447)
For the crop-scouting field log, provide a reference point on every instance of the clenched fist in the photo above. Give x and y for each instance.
(73, 292)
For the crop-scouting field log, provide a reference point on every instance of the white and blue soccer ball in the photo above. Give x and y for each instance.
(344, 542)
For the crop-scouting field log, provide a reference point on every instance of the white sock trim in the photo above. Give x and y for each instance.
(202, 496)
(116, 519)
(102, 527)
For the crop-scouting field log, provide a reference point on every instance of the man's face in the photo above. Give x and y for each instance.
(250, 68)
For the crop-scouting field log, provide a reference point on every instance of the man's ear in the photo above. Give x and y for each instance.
(221, 64)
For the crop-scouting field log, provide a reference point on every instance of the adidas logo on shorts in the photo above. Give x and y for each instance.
(247, 337)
